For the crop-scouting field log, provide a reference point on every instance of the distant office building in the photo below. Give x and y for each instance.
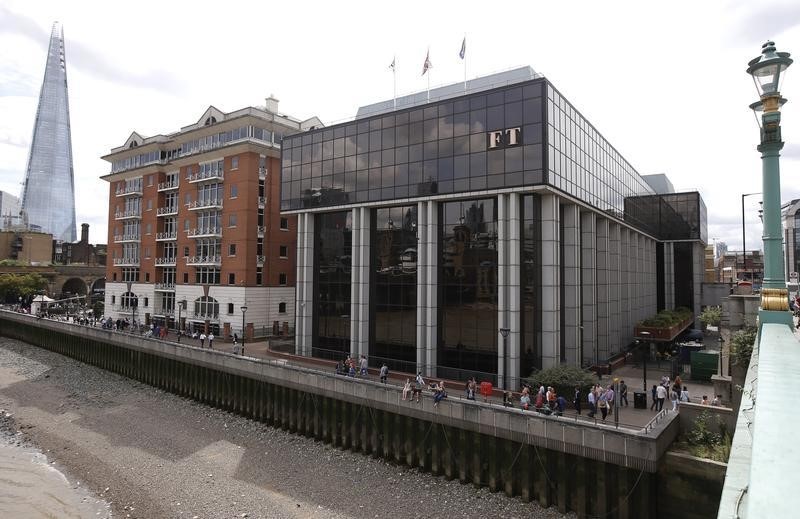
(791, 228)
(488, 232)
(195, 232)
(48, 198)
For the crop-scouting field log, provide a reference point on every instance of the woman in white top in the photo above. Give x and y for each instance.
(406, 389)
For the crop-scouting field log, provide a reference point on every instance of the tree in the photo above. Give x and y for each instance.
(14, 286)
(711, 315)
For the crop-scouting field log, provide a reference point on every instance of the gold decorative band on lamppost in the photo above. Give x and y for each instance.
(775, 299)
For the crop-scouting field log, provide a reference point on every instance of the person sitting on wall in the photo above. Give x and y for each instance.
(406, 389)
(439, 393)
(508, 399)
(525, 399)
(419, 384)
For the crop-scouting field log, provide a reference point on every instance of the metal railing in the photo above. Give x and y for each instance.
(129, 190)
(205, 232)
(126, 262)
(204, 260)
(166, 236)
(203, 204)
(201, 176)
(121, 238)
(166, 186)
(166, 261)
(166, 211)
(133, 213)
(165, 287)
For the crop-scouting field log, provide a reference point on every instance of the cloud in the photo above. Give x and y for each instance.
(758, 22)
(13, 140)
(86, 60)
(791, 150)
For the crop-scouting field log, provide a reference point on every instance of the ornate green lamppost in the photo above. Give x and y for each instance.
(768, 71)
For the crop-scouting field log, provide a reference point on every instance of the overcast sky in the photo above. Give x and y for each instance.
(664, 83)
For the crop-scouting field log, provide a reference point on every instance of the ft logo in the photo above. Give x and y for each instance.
(505, 138)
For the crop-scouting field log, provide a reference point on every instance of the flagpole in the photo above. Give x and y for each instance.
(465, 66)
(394, 81)
(429, 85)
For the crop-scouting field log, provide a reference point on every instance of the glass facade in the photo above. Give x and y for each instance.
(332, 268)
(468, 288)
(529, 281)
(48, 197)
(443, 147)
(394, 286)
(672, 216)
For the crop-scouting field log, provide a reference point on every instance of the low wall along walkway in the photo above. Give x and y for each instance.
(589, 469)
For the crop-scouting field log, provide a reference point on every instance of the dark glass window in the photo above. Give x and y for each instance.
(529, 283)
(468, 289)
(333, 260)
(394, 293)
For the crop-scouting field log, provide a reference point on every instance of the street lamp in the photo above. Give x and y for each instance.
(244, 332)
(181, 306)
(768, 71)
(744, 247)
(504, 332)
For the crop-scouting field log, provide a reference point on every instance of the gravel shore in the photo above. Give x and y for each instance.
(152, 454)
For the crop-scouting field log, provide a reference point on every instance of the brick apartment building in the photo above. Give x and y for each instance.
(195, 231)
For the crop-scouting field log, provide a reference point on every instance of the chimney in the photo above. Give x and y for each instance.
(271, 104)
(84, 233)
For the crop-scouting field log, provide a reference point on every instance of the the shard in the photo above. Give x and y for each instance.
(48, 198)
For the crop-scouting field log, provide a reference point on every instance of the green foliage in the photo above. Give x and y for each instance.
(711, 315)
(14, 286)
(564, 379)
(742, 346)
(98, 308)
(667, 318)
(10, 263)
(705, 443)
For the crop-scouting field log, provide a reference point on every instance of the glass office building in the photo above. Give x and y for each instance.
(426, 230)
(48, 198)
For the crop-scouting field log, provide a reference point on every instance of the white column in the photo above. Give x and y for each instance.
(514, 274)
(571, 305)
(551, 280)
(614, 324)
(304, 306)
(602, 289)
(588, 344)
(422, 284)
(364, 281)
(355, 281)
(432, 304)
(502, 285)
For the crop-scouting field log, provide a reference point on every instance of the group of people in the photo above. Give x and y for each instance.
(413, 391)
(603, 399)
(675, 391)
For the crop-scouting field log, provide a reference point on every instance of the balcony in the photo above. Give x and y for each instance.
(124, 238)
(123, 309)
(200, 261)
(214, 203)
(202, 176)
(261, 230)
(167, 211)
(126, 262)
(164, 287)
(169, 261)
(260, 261)
(261, 201)
(129, 190)
(204, 316)
(168, 186)
(167, 236)
(262, 173)
(161, 311)
(127, 215)
(206, 232)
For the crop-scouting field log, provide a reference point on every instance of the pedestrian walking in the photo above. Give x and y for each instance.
(655, 398)
(602, 403)
(363, 371)
(472, 387)
(610, 398)
(211, 340)
(661, 395)
(419, 384)
(384, 373)
(673, 397)
(623, 393)
(576, 401)
(203, 340)
(592, 399)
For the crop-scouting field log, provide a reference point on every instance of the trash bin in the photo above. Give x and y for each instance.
(639, 400)
(486, 390)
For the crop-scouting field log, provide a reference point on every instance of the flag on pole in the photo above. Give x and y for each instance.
(463, 51)
(392, 65)
(427, 64)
